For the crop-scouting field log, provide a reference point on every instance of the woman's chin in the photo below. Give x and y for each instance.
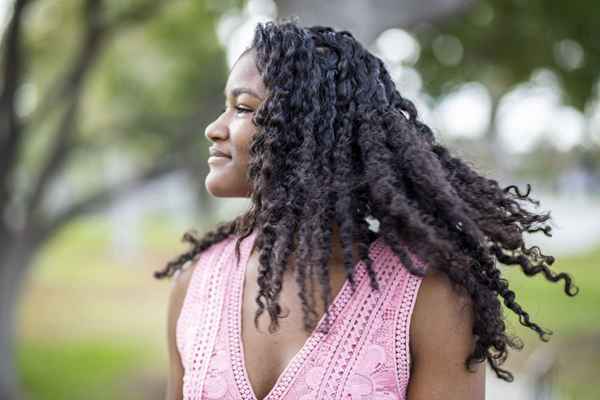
(220, 187)
(215, 188)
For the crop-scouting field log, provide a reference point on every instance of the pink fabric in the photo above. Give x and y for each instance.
(365, 355)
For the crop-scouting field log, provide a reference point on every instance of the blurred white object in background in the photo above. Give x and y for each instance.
(575, 221)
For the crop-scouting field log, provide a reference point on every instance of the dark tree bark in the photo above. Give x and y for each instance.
(24, 226)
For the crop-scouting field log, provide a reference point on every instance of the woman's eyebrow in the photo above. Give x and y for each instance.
(238, 91)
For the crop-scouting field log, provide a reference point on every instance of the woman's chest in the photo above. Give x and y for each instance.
(364, 354)
(266, 355)
(361, 356)
(357, 359)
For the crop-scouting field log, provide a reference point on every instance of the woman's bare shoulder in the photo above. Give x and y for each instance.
(182, 280)
(441, 339)
(439, 306)
(183, 277)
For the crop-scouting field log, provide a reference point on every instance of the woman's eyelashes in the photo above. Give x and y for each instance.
(243, 109)
(238, 109)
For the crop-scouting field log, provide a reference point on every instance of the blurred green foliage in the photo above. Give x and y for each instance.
(550, 307)
(503, 41)
(501, 44)
(55, 370)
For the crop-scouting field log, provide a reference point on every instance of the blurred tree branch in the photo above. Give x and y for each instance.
(99, 199)
(10, 127)
(71, 92)
(97, 32)
(67, 90)
(185, 134)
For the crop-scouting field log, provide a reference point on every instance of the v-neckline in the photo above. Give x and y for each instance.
(289, 373)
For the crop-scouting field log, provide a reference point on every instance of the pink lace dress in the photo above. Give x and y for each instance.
(365, 355)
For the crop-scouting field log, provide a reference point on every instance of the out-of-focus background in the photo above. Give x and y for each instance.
(103, 105)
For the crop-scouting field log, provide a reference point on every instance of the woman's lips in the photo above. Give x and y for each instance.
(217, 159)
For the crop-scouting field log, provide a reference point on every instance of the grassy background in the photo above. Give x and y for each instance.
(93, 323)
(575, 322)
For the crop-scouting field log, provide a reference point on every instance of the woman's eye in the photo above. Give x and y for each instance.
(242, 109)
(238, 109)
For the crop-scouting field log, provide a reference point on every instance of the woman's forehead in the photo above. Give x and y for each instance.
(244, 74)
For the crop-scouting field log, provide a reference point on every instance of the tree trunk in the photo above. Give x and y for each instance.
(14, 264)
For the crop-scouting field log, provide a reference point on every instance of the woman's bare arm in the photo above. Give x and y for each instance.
(175, 377)
(441, 338)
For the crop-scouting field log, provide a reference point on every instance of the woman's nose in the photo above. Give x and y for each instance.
(216, 130)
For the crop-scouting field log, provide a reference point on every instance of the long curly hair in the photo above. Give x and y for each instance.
(337, 143)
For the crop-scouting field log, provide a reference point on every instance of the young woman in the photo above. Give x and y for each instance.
(315, 133)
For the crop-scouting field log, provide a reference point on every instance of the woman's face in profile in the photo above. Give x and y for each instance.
(233, 130)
